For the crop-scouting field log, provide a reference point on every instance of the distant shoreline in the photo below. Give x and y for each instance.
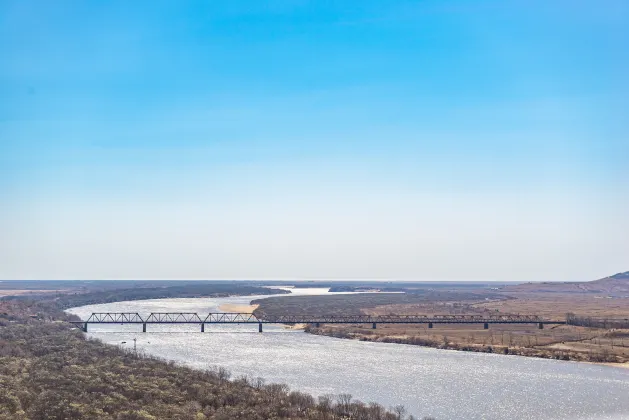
(494, 349)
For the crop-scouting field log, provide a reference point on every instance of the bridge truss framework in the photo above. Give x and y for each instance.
(317, 320)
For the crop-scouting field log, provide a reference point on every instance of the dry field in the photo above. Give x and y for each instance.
(556, 306)
(21, 292)
(553, 306)
(564, 341)
(605, 298)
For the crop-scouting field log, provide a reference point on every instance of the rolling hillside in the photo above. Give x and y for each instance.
(616, 285)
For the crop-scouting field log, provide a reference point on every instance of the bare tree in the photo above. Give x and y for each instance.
(400, 411)
(376, 411)
(277, 390)
(223, 374)
(258, 383)
(343, 402)
(301, 400)
(325, 403)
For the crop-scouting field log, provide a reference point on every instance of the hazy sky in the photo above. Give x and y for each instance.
(424, 140)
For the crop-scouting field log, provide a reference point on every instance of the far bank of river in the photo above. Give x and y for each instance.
(445, 384)
(548, 352)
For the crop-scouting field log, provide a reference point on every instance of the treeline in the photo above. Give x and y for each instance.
(48, 370)
(594, 322)
(602, 355)
(96, 285)
(188, 290)
(353, 304)
(337, 289)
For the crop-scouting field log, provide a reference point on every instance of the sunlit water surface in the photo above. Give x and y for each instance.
(441, 383)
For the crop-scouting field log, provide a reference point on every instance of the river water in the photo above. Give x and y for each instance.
(441, 383)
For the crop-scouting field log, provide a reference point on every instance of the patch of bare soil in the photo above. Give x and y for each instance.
(230, 307)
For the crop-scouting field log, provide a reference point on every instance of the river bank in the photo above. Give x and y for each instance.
(560, 342)
(422, 379)
(48, 369)
(446, 344)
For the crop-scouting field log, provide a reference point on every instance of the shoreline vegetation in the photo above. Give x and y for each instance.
(50, 370)
(184, 291)
(604, 359)
(598, 333)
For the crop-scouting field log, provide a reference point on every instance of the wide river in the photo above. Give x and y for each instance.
(441, 383)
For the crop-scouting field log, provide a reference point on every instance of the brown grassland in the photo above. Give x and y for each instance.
(605, 299)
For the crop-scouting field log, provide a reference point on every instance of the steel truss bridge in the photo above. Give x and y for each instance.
(317, 320)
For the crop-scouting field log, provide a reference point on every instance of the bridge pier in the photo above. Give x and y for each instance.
(430, 325)
(540, 326)
(373, 326)
(485, 326)
(144, 327)
(202, 327)
(317, 324)
(260, 327)
(85, 327)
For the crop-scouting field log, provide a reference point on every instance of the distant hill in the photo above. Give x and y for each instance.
(616, 285)
(619, 276)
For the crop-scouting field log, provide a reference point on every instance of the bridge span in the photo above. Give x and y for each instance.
(250, 318)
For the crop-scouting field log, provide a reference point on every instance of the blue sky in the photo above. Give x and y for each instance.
(428, 140)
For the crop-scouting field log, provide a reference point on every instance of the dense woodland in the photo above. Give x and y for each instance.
(48, 370)
(149, 290)
(183, 291)
(354, 304)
